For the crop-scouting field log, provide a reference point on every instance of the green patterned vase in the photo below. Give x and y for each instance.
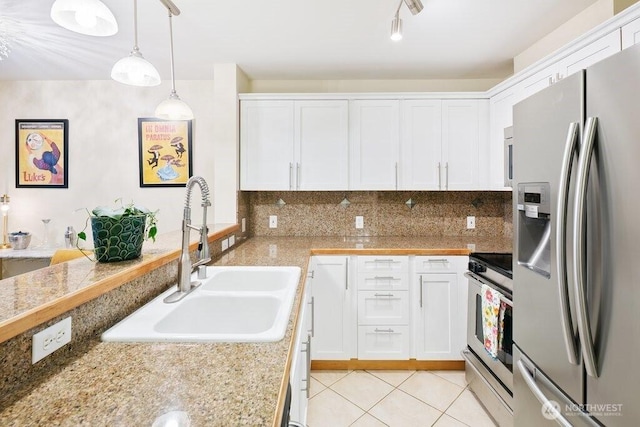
(118, 240)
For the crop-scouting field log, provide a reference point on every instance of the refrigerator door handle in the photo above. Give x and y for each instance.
(570, 149)
(579, 230)
(547, 404)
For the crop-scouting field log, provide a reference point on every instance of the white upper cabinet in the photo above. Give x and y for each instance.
(631, 33)
(266, 145)
(461, 137)
(373, 140)
(294, 145)
(322, 145)
(594, 52)
(421, 145)
(441, 143)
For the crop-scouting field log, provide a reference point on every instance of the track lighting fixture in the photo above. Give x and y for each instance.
(415, 6)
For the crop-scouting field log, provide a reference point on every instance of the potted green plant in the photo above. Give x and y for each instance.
(118, 233)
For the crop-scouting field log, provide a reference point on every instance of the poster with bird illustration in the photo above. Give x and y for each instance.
(164, 152)
(42, 153)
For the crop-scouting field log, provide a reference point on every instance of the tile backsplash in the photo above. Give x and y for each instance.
(385, 213)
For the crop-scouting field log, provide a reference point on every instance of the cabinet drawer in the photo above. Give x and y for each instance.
(437, 264)
(382, 263)
(390, 281)
(383, 342)
(383, 307)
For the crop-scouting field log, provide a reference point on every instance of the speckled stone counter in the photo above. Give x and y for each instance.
(223, 384)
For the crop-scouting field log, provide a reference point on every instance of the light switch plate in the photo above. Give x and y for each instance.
(359, 222)
(225, 244)
(232, 240)
(273, 221)
(49, 340)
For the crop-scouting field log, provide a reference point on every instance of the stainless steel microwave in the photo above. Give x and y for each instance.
(508, 156)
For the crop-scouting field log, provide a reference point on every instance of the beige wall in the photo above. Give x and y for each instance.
(103, 149)
(356, 86)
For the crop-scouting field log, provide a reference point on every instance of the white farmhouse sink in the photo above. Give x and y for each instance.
(234, 304)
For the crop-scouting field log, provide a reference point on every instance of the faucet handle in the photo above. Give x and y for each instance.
(202, 272)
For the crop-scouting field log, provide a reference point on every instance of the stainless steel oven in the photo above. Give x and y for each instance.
(490, 378)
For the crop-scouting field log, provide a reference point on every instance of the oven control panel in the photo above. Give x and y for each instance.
(476, 267)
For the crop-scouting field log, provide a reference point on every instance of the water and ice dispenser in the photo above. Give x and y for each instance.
(534, 227)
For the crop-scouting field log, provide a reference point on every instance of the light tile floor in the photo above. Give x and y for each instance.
(393, 398)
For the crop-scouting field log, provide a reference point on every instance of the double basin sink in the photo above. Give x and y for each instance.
(233, 304)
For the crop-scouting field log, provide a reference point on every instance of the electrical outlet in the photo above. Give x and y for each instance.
(471, 222)
(471, 246)
(359, 222)
(225, 244)
(273, 250)
(244, 224)
(49, 340)
(232, 240)
(273, 221)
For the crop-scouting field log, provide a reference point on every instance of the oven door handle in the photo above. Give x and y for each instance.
(475, 278)
(571, 147)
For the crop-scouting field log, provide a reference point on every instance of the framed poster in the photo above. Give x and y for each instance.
(42, 153)
(165, 155)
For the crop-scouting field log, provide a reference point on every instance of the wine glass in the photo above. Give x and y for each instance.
(45, 239)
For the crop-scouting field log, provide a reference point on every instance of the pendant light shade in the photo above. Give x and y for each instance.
(134, 69)
(173, 108)
(90, 17)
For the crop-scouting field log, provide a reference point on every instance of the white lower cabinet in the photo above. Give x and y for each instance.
(300, 374)
(333, 337)
(388, 307)
(440, 308)
(383, 308)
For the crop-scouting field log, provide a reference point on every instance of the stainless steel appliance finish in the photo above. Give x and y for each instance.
(491, 379)
(576, 332)
(508, 156)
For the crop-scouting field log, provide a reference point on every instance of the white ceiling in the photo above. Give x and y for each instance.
(289, 39)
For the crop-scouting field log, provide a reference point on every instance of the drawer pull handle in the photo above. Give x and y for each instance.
(389, 331)
(383, 295)
(385, 278)
(383, 260)
(438, 260)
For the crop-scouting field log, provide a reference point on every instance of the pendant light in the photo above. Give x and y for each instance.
(134, 69)
(173, 108)
(90, 17)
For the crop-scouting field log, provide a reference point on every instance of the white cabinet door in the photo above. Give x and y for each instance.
(266, 145)
(333, 323)
(460, 144)
(322, 144)
(421, 145)
(438, 309)
(389, 342)
(300, 375)
(373, 141)
(590, 54)
(501, 114)
(631, 33)
(536, 82)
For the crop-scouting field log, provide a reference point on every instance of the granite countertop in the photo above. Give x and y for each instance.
(217, 384)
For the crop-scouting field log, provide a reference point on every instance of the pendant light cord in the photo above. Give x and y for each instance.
(135, 25)
(173, 80)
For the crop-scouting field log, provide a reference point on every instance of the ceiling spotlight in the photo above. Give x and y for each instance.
(396, 28)
(134, 69)
(415, 6)
(90, 17)
(173, 108)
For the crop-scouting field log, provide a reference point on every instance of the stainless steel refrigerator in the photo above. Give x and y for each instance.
(576, 273)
